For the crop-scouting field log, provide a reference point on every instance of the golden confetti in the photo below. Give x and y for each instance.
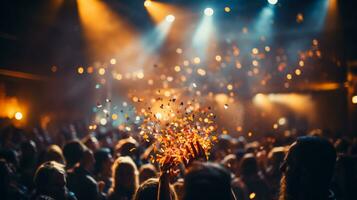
(176, 126)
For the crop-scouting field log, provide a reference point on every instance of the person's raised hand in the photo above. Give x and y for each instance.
(194, 153)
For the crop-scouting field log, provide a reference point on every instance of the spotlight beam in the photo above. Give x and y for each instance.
(203, 34)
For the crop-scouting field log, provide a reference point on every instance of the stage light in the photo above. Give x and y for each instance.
(204, 34)
(104, 30)
(154, 39)
(227, 9)
(18, 115)
(263, 23)
(272, 2)
(147, 3)
(170, 18)
(354, 99)
(209, 11)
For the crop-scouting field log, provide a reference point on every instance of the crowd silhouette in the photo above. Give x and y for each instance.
(115, 165)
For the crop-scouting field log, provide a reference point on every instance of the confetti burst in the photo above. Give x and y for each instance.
(175, 127)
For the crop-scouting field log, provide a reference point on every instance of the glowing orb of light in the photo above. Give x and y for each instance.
(103, 121)
(147, 3)
(282, 121)
(18, 115)
(209, 11)
(354, 99)
(80, 70)
(170, 18)
(273, 2)
(101, 71)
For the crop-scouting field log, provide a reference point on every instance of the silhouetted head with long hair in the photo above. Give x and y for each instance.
(148, 190)
(307, 169)
(50, 180)
(125, 176)
(207, 181)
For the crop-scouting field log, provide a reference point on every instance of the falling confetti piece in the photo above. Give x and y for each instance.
(172, 130)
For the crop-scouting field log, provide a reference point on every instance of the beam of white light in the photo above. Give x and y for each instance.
(202, 35)
(153, 40)
(264, 22)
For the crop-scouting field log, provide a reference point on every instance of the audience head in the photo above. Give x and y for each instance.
(248, 165)
(73, 152)
(91, 142)
(87, 160)
(127, 147)
(207, 181)
(148, 190)
(103, 162)
(125, 175)
(307, 169)
(230, 162)
(54, 153)
(275, 158)
(147, 171)
(342, 145)
(50, 180)
(28, 150)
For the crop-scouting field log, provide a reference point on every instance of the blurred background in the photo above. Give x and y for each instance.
(264, 66)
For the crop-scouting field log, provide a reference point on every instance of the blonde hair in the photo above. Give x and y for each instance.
(125, 174)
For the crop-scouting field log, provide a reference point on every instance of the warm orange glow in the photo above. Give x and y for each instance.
(332, 15)
(11, 108)
(105, 32)
(159, 11)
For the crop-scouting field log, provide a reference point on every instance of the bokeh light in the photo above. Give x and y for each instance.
(354, 99)
(18, 115)
(170, 18)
